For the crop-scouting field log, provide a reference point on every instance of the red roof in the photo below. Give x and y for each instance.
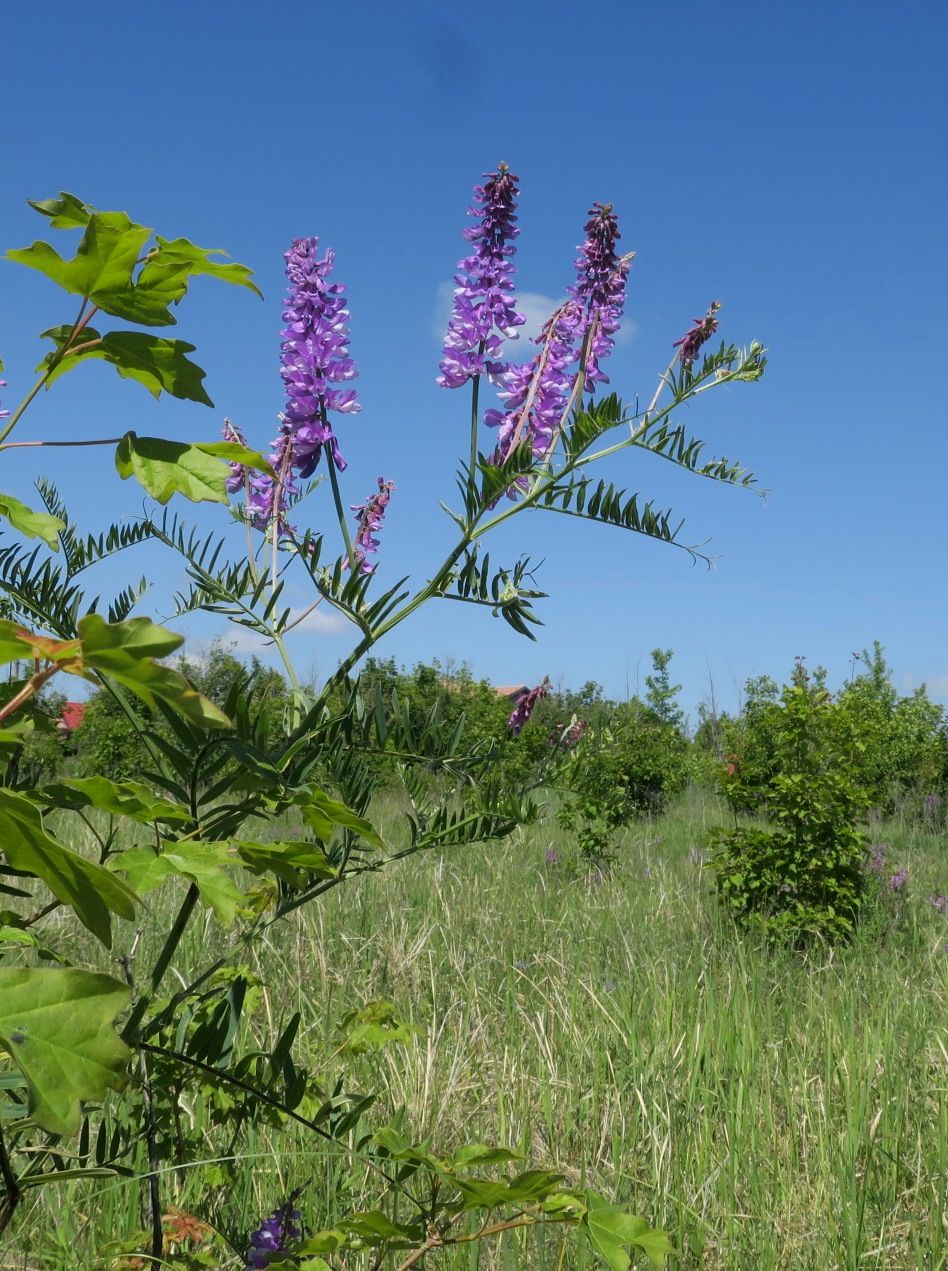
(72, 716)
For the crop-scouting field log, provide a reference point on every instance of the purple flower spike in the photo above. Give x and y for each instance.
(315, 356)
(484, 311)
(600, 290)
(370, 515)
(898, 880)
(273, 1236)
(524, 708)
(539, 396)
(702, 331)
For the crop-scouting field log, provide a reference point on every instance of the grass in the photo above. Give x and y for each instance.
(768, 1110)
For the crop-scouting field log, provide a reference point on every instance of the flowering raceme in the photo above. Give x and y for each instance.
(315, 356)
(370, 515)
(524, 708)
(484, 311)
(702, 331)
(273, 1236)
(538, 396)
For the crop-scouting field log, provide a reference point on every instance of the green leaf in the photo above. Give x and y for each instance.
(32, 524)
(139, 637)
(611, 1229)
(125, 651)
(323, 815)
(157, 363)
(373, 1027)
(102, 268)
(57, 1025)
(165, 468)
(204, 864)
(66, 212)
(294, 862)
(118, 798)
(480, 1154)
(92, 891)
(177, 260)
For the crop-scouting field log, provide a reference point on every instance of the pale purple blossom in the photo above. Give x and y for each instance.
(4, 414)
(524, 708)
(273, 1236)
(484, 312)
(702, 331)
(370, 515)
(939, 903)
(315, 356)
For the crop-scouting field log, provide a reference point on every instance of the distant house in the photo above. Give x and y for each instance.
(71, 717)
(512, 692)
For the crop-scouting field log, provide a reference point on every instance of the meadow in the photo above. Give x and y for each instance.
(769, 1110)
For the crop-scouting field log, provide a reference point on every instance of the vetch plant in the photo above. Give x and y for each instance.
(212, 786)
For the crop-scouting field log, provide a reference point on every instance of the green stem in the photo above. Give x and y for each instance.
(172, 940)
(475, 396)
(79, 324)
(337, 499)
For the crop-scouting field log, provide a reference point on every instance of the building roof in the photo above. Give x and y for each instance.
(71, 716)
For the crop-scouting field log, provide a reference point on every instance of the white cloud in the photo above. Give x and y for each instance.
(316, 622)
(535, 307)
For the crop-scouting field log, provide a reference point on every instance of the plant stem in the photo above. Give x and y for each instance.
(79, 324)
(172, 940)
(337, 499)
(14, 1193)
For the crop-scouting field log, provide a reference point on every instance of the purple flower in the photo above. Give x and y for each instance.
(551, 856)
(484, 309)
(600, 290)
(932, 802)
(4, 414)
(274, 1235)
(939, 903)
(238, 473)
(876, 862)
(315, 356)
(538, 396)
(702, 331)
(370, 515)
(898, 880)
(524, 708)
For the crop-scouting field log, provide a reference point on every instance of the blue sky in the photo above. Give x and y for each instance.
(788, 160)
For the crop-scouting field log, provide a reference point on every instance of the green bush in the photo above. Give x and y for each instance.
(804, 874)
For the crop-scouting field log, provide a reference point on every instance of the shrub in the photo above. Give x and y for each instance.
(804, 874)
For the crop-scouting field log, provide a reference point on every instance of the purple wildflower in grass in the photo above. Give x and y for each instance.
(370, 515)
(484, 311)
(524, 708)
(551, 856)
(4, 414)
(273, 1236)
(876, 862)
(315, 356)
(898, 880)
(702, 331)
(939, 903)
